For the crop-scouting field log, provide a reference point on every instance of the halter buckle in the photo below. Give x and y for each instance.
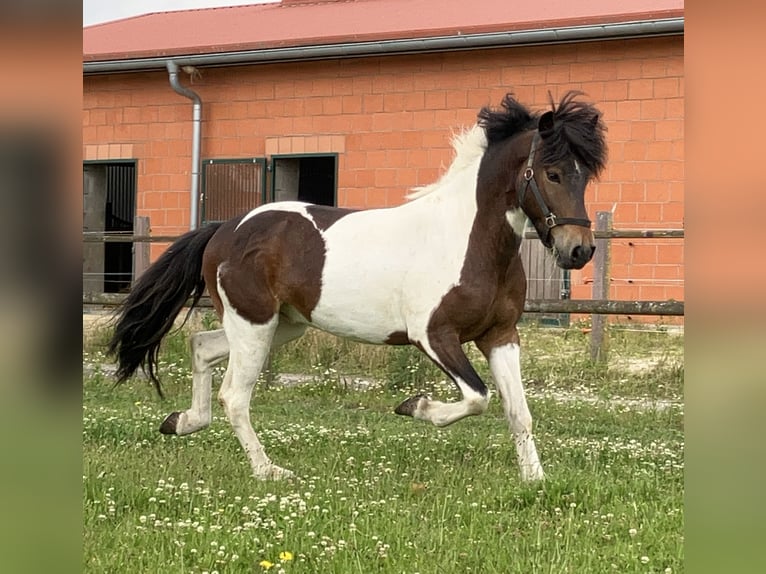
(529, 173)
(550, 220)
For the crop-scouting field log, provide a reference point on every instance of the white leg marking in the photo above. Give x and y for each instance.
(442, 414)
(506, 369)
(208, 348)
(249, 348)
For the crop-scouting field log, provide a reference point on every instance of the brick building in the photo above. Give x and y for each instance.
(364, 96)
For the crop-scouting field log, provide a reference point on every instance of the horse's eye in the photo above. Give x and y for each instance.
(553, 176)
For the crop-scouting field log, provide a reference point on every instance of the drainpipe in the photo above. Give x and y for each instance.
(196, 139)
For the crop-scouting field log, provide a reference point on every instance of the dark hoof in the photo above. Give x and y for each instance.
(168, 426)
(407, 408)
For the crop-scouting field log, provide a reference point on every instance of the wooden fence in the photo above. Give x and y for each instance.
(599, 306)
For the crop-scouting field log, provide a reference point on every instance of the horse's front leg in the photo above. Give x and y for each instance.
(208, 349)
(447, 353)
(504, 362)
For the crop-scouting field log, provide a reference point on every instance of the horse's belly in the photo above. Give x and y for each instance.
(355, 311)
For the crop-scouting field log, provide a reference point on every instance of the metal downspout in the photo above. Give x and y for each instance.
(196, 140)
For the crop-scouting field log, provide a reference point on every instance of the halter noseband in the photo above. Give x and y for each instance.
(551, 219)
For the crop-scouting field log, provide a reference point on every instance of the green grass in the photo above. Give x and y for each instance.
(380, 493)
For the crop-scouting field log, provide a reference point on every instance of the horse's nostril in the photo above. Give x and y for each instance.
(583, 252)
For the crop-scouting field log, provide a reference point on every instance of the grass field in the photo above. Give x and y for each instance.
(380, 493)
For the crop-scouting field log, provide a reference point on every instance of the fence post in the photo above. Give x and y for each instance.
(140, 249)
(599, 337)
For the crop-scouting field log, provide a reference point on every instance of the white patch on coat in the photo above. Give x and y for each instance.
(386, 270)
(289, 206)
(517, 219)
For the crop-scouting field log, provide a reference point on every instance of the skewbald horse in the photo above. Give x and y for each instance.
(436, 272)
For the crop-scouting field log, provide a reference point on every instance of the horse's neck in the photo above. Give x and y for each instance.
(502, 164)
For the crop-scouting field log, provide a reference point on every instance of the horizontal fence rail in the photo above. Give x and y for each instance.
(603, 307)
(96, 237)
(100, 237)
(549, 306)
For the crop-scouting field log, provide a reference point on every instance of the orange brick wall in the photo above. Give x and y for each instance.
(391, 119)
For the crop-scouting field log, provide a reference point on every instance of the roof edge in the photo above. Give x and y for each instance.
(538, 36)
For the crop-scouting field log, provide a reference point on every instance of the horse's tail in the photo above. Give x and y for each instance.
(148, 312)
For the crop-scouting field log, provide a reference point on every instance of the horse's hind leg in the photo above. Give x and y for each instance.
(250, 344)
(208, 349)
(448, 355)
(505, 365)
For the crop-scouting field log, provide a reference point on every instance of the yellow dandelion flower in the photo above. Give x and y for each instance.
(285, 556)
(265, 564)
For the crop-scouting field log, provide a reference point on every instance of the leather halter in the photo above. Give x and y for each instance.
(551, 219)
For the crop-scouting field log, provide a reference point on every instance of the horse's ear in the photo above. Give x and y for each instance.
(594, 121)
(545, 123)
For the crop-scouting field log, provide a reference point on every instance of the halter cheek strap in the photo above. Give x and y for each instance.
(551, 219)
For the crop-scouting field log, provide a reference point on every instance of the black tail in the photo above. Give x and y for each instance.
(147, 314)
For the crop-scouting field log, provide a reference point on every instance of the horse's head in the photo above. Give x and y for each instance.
(556, 154)
(567, 149)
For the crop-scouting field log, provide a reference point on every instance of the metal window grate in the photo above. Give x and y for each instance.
(120, 197)
(231, 187)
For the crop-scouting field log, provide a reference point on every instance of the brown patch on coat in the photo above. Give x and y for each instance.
(274, 258)
(398, 338)
(324, 215)
(488, 301)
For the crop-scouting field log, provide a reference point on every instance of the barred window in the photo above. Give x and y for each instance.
(231, 187)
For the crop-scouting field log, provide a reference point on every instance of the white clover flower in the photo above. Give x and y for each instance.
(644, 560)
(632, 532)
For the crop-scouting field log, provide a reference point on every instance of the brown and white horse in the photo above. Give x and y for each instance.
(436, 272)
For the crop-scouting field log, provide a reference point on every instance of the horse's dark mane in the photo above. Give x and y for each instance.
(514, 118)
(577, 129)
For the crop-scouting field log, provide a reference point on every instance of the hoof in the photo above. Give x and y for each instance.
(273, 472)
(408, 407)
(168, 426)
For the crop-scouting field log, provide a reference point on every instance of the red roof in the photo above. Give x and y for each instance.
(306, 23)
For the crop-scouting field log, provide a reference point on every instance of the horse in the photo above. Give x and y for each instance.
(438, 271)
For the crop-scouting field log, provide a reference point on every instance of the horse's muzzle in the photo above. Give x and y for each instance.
(575, 258)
